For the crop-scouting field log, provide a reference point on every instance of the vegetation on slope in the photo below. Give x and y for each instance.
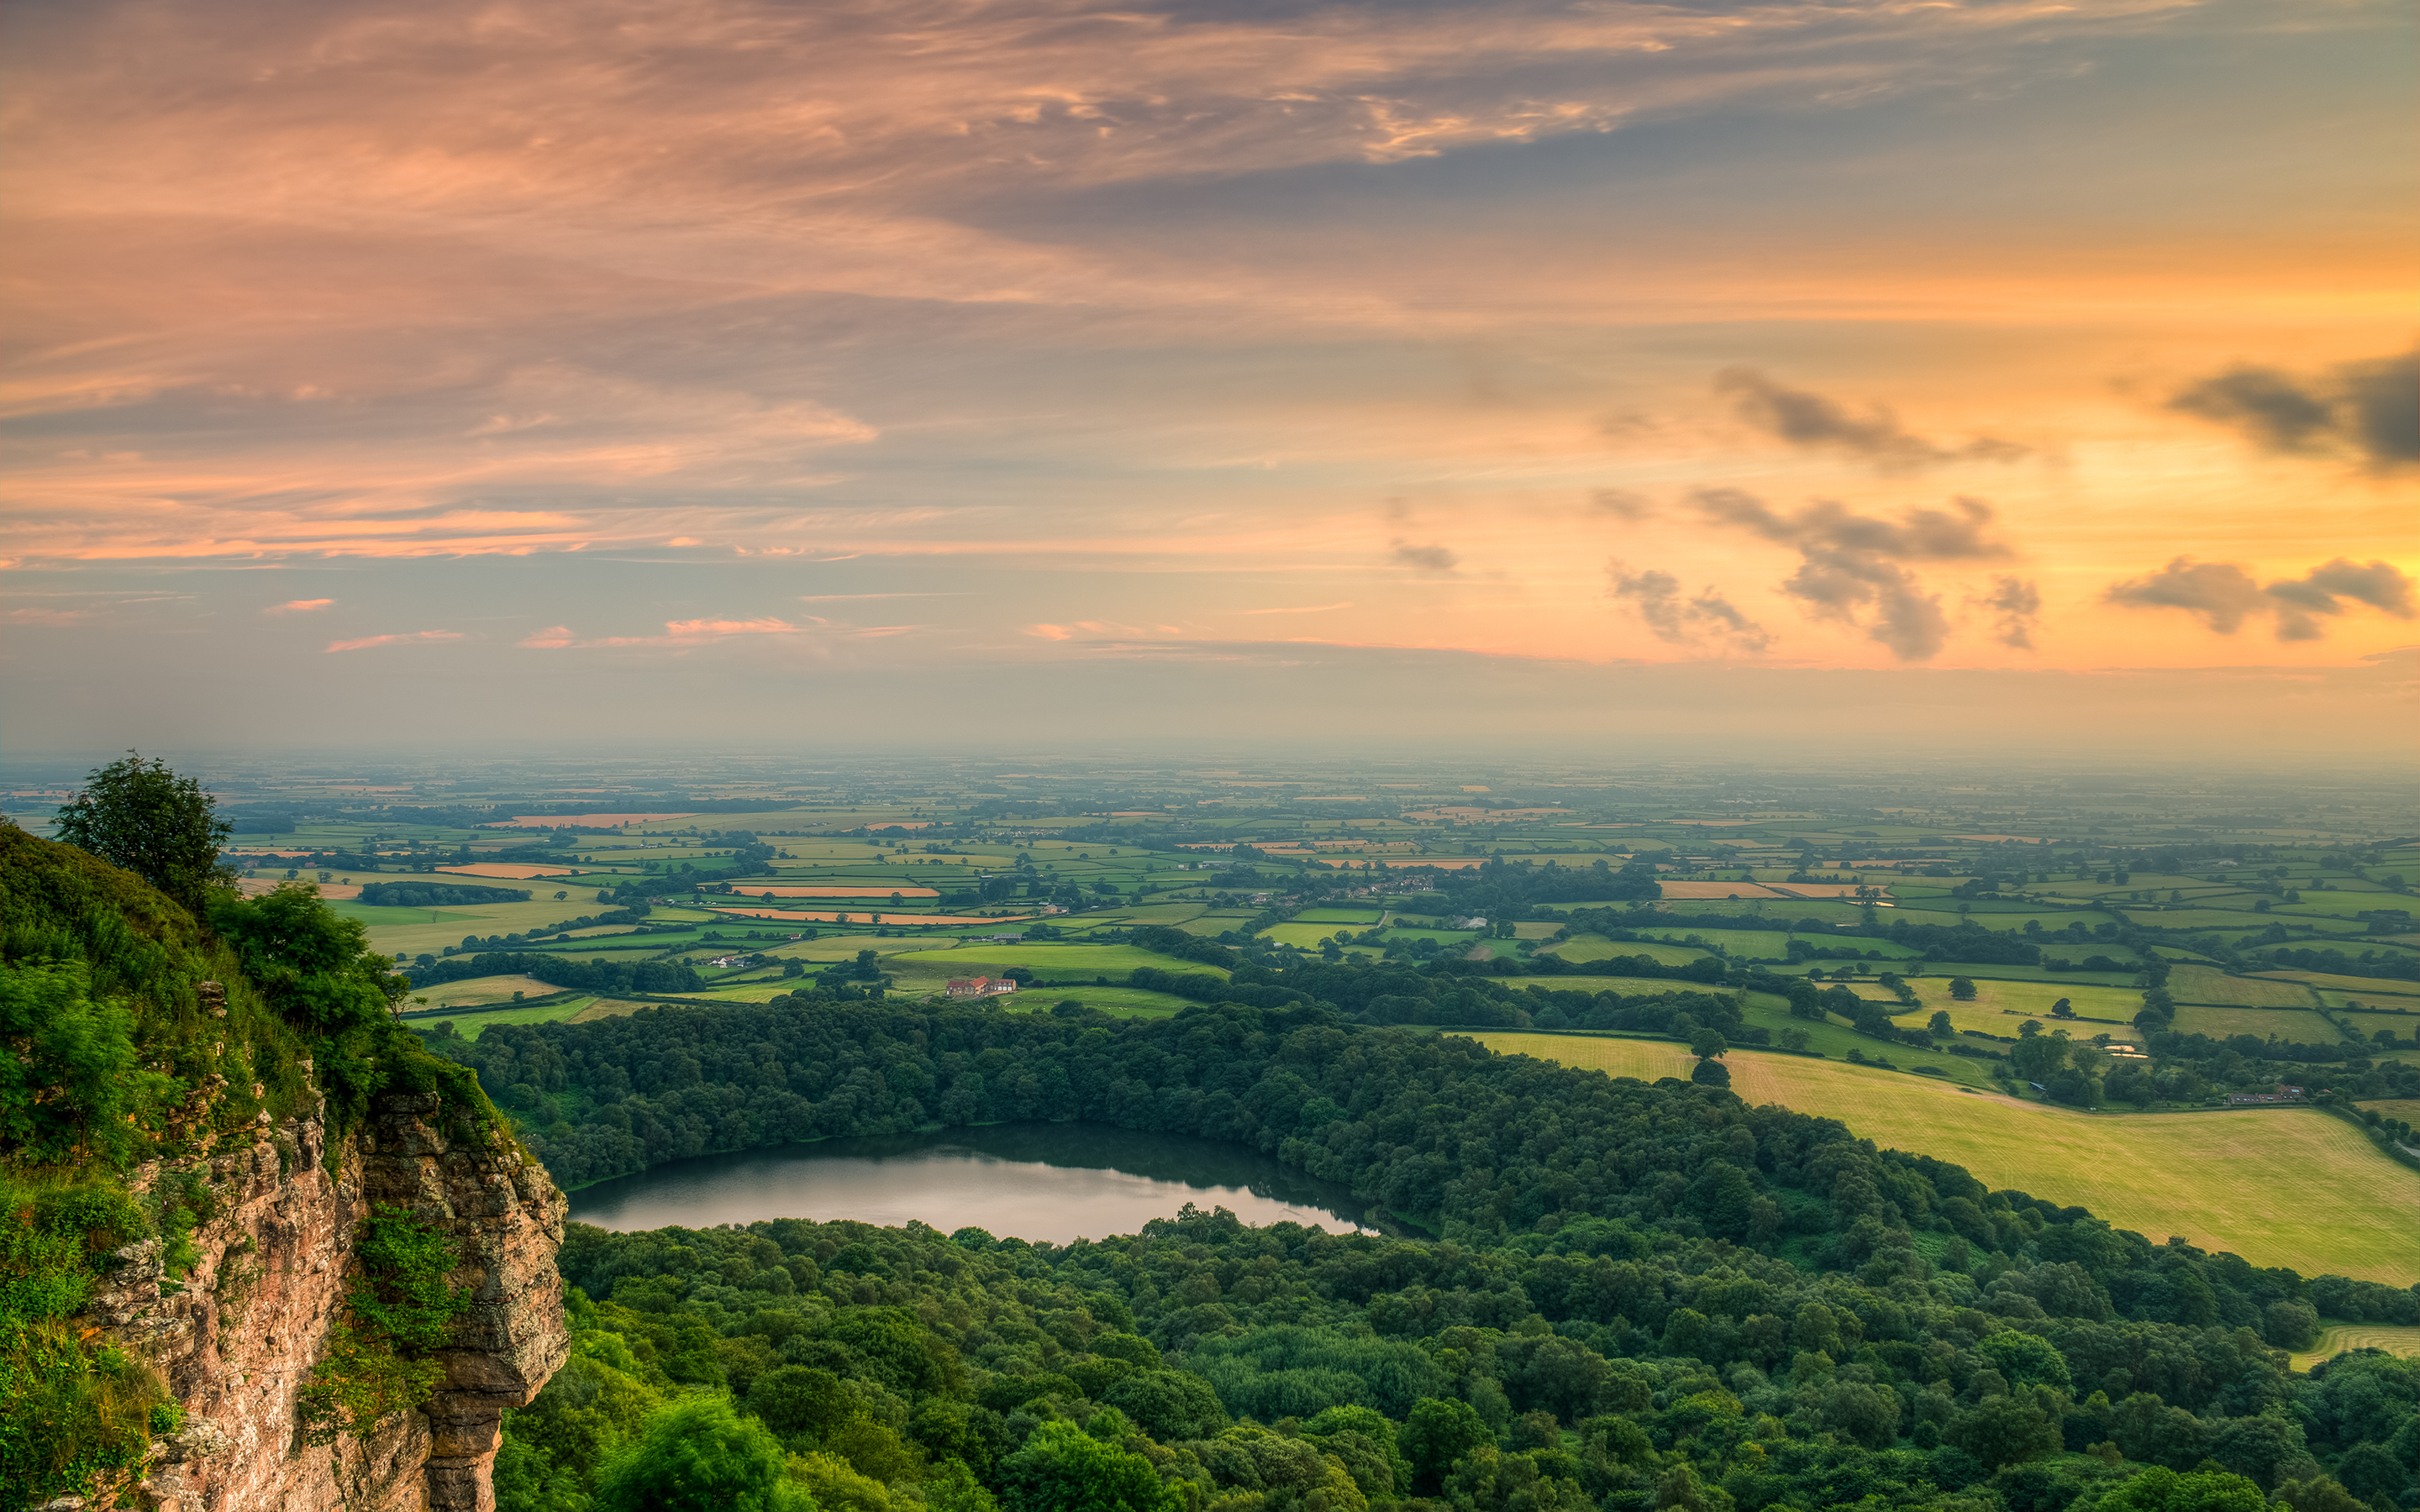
(1646, 1296)
(141, 1026)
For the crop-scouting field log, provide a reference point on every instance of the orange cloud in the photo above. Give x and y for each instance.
(677, 633)
(414, 638)
(298, 606)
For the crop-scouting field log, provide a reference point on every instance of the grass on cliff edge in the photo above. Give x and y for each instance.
(2279, 1186)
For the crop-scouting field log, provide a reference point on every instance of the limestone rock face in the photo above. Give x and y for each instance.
(236, 1335)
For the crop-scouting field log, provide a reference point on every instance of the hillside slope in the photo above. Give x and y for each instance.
(259, 1248)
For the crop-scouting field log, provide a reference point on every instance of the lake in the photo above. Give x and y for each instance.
(1035, 1181)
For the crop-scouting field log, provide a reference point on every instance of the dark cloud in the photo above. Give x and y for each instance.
(2371, 408)
(1656, 598)
(1850, 567)
(1425, 557)
(1621, 504)
(2226, 596)
(2015, 605)
(1812, 421)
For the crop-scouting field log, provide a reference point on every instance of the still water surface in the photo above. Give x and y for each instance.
(1037, 1181)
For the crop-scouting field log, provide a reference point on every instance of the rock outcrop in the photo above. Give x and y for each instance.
(236, 1334)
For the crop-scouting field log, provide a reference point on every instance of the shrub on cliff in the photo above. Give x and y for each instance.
(380, 1356)
(136, 1026)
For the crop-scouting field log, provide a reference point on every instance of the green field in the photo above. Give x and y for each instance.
(470, 1026)
(2290, 1187)
(1311, 936)
(2067, 981)
(1358, 918)
(2301, 1025)
(1835, 1039)
(1050, 963)
(389, 918)
(2386, 987)
(2208, 984)
(1587, 947)
(2181, 917)
(2013, 1002)
(424, 935)
(1126, 1002)
(1626, 986)
(2335, 1339)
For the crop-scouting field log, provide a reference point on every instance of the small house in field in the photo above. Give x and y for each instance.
(980, 986)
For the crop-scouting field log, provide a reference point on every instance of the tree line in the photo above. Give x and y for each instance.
(1641, 1296)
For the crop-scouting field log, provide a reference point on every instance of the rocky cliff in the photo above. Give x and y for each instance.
(236, 1337)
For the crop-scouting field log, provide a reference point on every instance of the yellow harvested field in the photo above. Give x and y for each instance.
(505, 868)
(480, 990)
(2336, 1339)
(610, 1008)
(2406, 1108)
(2287, 1186)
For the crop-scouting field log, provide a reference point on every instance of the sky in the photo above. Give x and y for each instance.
(2004, 375)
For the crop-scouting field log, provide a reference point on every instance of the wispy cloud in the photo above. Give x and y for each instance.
(299, 606)
(677, 633)
(413, 638)
(1811, 421)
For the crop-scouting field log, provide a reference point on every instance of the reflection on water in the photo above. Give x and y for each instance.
(1038, 1182)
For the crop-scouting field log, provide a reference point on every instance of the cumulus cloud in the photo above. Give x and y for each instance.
(1424, 558)
(299, 606)
(2224, 595)
(1850, 565)
(2370, 409)
(2015, 606)
(1812, 422)
(414, 638)
(1655, 596)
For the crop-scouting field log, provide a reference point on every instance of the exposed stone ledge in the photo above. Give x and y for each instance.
(235, 1339)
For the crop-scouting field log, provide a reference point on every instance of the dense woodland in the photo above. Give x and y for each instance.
(1639, 1296)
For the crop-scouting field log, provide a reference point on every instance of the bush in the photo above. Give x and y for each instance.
(401, 1311)
(699, 1456)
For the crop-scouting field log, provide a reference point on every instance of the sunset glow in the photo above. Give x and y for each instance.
(2051, 358)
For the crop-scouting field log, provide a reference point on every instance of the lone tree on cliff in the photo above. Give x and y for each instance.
(163, 827)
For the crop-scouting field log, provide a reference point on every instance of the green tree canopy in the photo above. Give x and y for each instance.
(699, 1456)
(1064, 1469)
(164, 828)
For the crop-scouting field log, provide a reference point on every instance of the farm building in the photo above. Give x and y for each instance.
(980, 986)
(2283, 1094)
